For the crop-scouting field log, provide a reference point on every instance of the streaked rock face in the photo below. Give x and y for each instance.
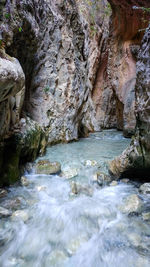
(114, 88)
(135, 160)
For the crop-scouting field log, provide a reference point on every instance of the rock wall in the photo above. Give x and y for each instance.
(50, 50)
(114, 88)
(135, 160)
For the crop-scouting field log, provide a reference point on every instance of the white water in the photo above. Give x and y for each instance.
(62, 230)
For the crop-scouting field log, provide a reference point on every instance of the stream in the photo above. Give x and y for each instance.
(51, 226)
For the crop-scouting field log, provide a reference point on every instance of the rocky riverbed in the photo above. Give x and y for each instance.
(78, 216)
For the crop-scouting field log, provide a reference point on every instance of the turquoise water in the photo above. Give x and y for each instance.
(52, 227)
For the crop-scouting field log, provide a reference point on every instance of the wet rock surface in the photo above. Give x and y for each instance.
(134, 161)
(47, 167)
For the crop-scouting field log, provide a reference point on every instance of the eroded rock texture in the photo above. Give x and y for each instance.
(50, 50)
(135, 160)
(114, 89)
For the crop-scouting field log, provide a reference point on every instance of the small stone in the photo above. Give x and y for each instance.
(114, 183)
(101, 178)
(3, 193)
(21, 214)
(5, 212)
(81, 189)
(74, 188)
(145, 188)
(146, 216)
(132, 204)
(24, 181)
(47, 167)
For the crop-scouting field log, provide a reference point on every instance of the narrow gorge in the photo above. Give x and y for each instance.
(74, 133)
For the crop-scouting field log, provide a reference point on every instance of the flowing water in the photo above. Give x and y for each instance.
(52, 227)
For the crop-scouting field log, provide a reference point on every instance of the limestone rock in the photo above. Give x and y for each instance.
(3, 193)
(56, 257)
(131, 204)
(91, 163)
(70, 173)
(12, 204)
(136, 160)
(5, 212)
(146, 216)
(21, 214)
(101, 178)
(24, 181)
(113, 183)
(47, 167)
(78, 188)
(145, 188)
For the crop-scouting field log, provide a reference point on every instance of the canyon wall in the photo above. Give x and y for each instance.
(135, 160)
(49, 52)
(114, 89)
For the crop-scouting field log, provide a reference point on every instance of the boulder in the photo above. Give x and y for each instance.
(5, 212)
(69, 173)
(146, 216)
(47, 167)
(24, 181)
(21, 214)
(145, 188)
(132, 204)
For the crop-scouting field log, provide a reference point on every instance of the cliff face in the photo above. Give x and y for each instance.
(135, 160)
(114, 88)
(49, 51)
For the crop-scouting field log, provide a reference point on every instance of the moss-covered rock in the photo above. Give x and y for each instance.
(20, 148)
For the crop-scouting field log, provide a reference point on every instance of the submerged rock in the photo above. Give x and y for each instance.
(3, 193)
(77, 188)
(12, 203)
(134, 239)
(70, 173)
(75, 244)
(146, 216)
(145, 188)
(24, 181)
(131, 204)
(91, 163)
(113, 183)
(47, 167)
(5, 212)
(101, 178)
(56, 257)
(21, 214)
